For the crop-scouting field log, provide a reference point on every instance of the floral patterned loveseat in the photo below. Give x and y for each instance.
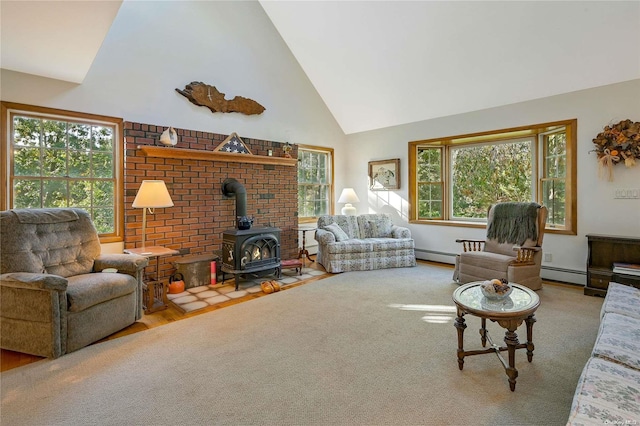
(362, 243)
(608, 390)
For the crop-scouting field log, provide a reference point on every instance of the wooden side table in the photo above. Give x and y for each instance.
(304, 253)
(509, 313)
(154, 291)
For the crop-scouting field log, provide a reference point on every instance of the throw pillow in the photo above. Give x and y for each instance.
(370, 229)
(337, 232)
(375, 229)
(384, 229)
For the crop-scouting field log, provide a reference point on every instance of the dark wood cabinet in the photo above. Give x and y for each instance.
(604, 250)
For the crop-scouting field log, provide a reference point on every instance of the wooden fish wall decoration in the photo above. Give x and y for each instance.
(208, 96)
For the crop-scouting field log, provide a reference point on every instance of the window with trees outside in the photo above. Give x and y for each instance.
(64, 159)
(315, 182)
(454, 180)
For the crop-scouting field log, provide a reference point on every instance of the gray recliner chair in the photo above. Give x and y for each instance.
(512, 249)
(55, 299)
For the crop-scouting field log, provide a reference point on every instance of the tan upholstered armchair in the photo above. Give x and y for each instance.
(512, 249)
(54, 298)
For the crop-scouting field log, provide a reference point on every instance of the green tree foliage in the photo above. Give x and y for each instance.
(64, 164)
(554, 181)
(487, 174)
(430, 183)
(313, 183)
(467, 178)
(480, 176)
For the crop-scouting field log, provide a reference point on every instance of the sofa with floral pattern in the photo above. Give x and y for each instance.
(608, 390)
(362, 243)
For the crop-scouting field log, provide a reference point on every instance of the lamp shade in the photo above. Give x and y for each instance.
(348, 195)
(152, 193)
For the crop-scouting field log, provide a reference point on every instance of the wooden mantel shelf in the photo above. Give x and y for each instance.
(196, 154)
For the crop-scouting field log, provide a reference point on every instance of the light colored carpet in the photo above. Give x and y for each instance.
(200, 297)
(359, 348)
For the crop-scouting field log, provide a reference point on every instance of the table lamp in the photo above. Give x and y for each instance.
(152, 194)
(348, 196)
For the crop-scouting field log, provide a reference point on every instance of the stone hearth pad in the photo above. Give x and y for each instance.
(201, 297)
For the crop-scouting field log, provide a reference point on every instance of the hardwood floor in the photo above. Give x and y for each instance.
(10, 359)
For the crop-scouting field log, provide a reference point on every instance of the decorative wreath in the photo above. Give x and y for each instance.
(617, 143)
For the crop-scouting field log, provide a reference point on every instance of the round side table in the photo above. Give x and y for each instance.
(509, 313)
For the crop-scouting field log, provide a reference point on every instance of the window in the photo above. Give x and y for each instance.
(315, 182)
(554, 180)
(454, 180)
(63, 159)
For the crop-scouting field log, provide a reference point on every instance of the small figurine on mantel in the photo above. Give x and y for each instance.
(287, 149)
(169, 137)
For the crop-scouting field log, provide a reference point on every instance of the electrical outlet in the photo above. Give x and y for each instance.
(626, 193)
(548, 257)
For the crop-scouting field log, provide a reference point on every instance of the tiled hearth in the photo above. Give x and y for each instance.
(201, 297)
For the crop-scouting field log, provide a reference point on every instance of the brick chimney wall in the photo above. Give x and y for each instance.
(201, 213)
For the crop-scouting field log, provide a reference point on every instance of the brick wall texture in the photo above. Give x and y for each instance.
(201, 213)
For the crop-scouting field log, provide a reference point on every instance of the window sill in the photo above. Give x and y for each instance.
(458, 223)
(110, 239)
(462, 224)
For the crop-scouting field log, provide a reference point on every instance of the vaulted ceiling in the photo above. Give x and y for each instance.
(383, 63)
(55, 39)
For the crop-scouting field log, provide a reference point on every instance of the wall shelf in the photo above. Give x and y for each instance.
(196, 154)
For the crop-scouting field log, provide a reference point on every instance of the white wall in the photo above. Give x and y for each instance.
(598, 212)
(155, 47)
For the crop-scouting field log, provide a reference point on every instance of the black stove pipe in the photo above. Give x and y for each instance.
(231, 187)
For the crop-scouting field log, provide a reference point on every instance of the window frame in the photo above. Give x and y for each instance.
(10, 109)
(538, 173)
(331, 203)
(543, 159)
(439, 183)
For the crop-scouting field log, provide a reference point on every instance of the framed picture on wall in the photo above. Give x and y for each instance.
(384, 175)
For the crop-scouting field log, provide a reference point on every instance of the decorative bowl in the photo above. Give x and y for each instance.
(496, 296)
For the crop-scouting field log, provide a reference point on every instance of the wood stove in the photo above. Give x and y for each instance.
(254, 251)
